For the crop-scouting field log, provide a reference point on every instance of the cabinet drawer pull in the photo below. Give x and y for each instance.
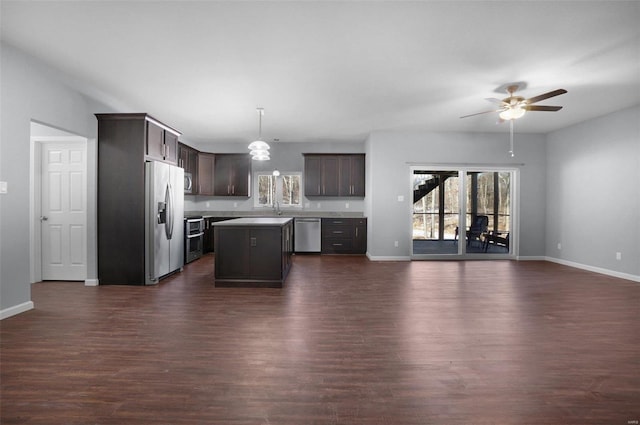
(337, 244)
(337, 232)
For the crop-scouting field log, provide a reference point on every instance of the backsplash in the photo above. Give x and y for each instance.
(208, 203)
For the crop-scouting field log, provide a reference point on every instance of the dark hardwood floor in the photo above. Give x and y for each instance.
(347, 341)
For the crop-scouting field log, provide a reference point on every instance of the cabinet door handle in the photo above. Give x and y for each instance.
(337, 244)
(356, 232)
(337, 232)
(233, 189)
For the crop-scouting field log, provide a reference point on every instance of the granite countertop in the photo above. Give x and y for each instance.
(271, 213)
(255, 221)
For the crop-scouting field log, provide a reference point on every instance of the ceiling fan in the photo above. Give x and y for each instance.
(514, 107)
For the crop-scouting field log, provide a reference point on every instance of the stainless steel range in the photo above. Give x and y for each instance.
(193, 238)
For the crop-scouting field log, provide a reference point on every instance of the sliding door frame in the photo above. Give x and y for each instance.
(514, 212)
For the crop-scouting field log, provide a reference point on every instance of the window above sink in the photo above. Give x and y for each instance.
(279, 191)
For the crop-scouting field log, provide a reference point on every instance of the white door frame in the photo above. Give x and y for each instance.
(462, 254)
(35, 210)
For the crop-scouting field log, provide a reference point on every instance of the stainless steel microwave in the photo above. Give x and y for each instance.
(188, 183)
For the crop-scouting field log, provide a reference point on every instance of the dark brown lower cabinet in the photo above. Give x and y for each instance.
(344, 235)
(253, 252)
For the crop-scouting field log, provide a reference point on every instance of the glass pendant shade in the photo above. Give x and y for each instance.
(259, 156)
(259, 145)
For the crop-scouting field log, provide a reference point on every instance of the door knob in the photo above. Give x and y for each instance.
(44, 218)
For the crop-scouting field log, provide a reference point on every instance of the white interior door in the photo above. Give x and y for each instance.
(64, 211)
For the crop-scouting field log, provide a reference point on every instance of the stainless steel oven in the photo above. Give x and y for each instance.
(193, 238)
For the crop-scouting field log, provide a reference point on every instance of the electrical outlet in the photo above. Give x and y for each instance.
(346, 205)
(395, 243)
(400, 198)
(618, 256)
(4, 187)
(235, 205)
(559, 245)
(318, 205)
(207, 204)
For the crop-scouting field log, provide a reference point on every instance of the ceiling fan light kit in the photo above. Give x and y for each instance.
(259, 149)
(512, 113)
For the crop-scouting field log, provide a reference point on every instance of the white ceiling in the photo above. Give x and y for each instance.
(336, 71)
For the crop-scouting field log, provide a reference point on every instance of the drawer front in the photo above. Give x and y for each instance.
(337, 246)
(339, 232)
(337, 222)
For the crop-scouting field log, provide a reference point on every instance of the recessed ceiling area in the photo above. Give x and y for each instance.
(336, 71)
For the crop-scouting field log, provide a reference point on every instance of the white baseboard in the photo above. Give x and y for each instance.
(16, 309)
(91, 282)
(600, 270)
(388, 258)
(531, 258)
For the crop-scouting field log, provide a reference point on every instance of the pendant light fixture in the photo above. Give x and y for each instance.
(259, 149)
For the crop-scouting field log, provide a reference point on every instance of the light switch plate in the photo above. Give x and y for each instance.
(4, 187)
(400, 198)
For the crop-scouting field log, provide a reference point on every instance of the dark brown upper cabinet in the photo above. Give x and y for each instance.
(352, 175)
(334, 175)
(232, 175)
(162, 142)
(321, 175)
(206, 166)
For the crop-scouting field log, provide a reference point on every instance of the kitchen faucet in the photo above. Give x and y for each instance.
(276, 207)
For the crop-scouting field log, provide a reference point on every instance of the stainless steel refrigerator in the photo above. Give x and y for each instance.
(164, 220)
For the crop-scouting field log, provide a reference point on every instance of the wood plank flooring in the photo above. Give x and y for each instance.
(346, 341)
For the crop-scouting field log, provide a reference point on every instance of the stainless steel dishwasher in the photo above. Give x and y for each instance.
(307, 234)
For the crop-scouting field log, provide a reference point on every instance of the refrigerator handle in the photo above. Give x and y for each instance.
(168, 198)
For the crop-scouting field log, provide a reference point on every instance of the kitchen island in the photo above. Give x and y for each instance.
(253, 252)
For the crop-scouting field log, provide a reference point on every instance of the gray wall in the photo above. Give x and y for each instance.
(284, 157)
(390, 155)
(32, 91)
(593, 193)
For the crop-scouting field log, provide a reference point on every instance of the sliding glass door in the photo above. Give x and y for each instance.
(440, 229)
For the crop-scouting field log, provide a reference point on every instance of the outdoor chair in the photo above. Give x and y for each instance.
(496, 238)
(478, 229)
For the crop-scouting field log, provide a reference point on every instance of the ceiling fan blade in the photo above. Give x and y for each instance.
(545, 96)
(480, 113)
(541, 108)
(496, 101)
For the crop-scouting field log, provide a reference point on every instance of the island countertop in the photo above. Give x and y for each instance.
(255, 221)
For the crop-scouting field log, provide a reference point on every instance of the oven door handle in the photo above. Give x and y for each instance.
(197, 235)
